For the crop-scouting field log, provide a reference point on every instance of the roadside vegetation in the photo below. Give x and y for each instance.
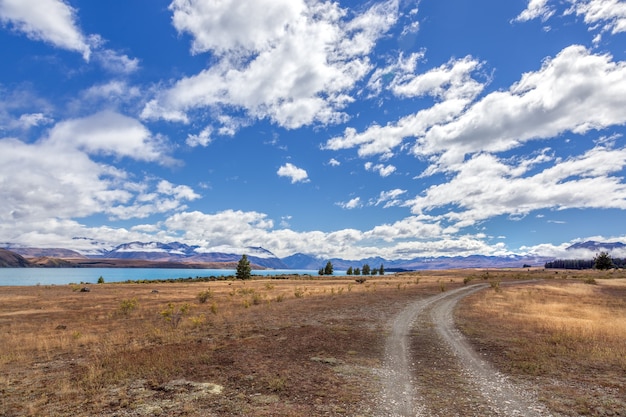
(294, 346)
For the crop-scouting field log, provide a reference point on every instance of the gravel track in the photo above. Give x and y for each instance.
(404, 394)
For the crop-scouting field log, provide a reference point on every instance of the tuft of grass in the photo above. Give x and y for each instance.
(495, 285)
(276, 384)
(214, 308)
(204, 296)
(174, 315)
(127, 306)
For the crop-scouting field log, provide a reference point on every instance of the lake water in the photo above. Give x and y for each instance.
(62, 276)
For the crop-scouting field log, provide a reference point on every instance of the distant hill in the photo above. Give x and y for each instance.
(9, 259)
(176, 254)
(303, 261)
(154, 254)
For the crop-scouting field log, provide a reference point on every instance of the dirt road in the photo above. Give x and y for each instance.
(431, 370)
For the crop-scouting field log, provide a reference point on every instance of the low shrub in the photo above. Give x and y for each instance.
(127, 306)
(205, 295)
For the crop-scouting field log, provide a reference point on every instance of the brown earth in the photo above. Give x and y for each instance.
(296, 347)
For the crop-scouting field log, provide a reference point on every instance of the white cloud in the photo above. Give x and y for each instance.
(226, 26)
(116, 62)
(293, 172)
(239, 229)
(486, 186)
(52, 21)
(56, 22)
(352, 204)
(416, 228)
(536, 9)
(295, 64)
(333, 162)
(201, 139)
(26, 121)
(22, 109)
(57, 178)
(113, 91)
(575, 91)
(451, 83)
(390, 198)
(109, 133)
(43, 181)
(608, 15)
(382, 170)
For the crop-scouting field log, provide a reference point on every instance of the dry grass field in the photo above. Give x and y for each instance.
(292, 347)
(566, 337)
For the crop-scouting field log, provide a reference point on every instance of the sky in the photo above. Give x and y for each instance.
(348, 129)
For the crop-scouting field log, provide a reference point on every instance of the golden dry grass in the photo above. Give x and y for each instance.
(66, 352)
(566, 337)
(70, 353)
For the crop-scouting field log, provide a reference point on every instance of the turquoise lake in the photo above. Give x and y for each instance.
(62, 276)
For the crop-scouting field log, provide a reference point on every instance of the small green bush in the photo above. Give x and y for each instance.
(204, 296)
(174, 315)
(127, 306)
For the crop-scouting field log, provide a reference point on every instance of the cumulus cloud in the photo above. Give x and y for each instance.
(226, 26)
(295, 64)
(109, 133)
(451, 81)
(352, 204)
(406, 238)
(575, 91)
(59, 177)
(116, 62)
(201, 139)
(56, 22)
(293, 172)
(605, 16)
(52, 21)
(389, 198)
(608, 15)
(486, 186)
(382, 170)
(26, 121)
(536, 9)
(114, 91)
(451, 84)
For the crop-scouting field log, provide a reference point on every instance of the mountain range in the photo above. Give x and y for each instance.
(176, 254)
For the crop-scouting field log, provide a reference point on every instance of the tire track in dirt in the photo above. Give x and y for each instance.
(402, 395)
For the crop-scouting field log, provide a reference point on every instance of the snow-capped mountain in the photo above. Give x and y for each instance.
(180, 252)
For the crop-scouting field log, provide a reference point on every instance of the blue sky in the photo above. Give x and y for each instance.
(343, 129)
